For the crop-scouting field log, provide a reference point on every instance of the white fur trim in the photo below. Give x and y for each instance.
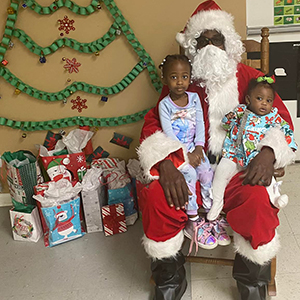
(212, 20)
(160, 250)
(262, 255)
(275, 139)
(155, 148)
(221, 101)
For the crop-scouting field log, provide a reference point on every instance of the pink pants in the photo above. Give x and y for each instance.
(248, 208)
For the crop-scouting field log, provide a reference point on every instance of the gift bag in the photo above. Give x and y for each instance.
(68, 166)
(26, 226)
(62, 222)
(92, 202)
(125, 195)
(113, 219)
(23, 173)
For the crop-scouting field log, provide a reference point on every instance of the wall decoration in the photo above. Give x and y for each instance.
(121, 140)
(72, 65)
(286, 12)
(79, 104)
(119, 27)
(66, 25)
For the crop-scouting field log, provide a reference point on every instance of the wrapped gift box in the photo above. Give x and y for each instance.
(92, 202)
(114, 219)
(125, 195)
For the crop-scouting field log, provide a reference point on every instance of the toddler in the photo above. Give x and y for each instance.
(181, 118)
(247, 126)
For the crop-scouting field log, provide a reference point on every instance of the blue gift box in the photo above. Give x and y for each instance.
(124, 195)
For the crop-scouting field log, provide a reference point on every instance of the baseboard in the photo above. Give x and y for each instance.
(5, 199)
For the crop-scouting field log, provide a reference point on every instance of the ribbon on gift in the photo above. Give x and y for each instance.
(114, 219)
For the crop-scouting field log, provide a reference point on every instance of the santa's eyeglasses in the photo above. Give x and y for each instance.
(203, 41)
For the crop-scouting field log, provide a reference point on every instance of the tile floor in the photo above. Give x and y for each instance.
(98, 267)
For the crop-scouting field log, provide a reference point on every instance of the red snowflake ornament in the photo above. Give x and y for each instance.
(72, 65)
(79, 104)
(66, 24)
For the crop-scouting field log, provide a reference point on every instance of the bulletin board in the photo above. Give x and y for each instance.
(286, 12)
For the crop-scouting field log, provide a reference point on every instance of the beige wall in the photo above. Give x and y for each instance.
(154, 23)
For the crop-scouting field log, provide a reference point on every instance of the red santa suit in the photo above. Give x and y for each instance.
(249, 212)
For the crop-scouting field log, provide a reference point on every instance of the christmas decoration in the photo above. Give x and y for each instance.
(24, 135)
(104, 99)
(113, 219)
(98, 153)
(4, 62)
(65, 100)
(121, 140)
(17, 92)
(79, 104)
(72, 65)
(42, 59)
(51, 140)
(66, 24)
(11, 11)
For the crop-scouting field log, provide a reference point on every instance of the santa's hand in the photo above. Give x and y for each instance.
(174, 185)
(260, 170)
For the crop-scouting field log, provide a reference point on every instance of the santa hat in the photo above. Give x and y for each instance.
(209, 16)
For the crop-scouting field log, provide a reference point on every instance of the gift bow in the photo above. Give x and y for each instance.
(265, 78)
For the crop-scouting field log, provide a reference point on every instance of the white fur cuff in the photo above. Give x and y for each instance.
(160, 250)
(275, 139)
(262, 255)
(155, 148)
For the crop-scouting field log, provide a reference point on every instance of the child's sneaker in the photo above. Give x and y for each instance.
(220, 233)
(199, 232)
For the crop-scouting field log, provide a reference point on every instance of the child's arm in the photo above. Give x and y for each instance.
(228, 120)
(288, 132)
(196, 156)
(165, 120)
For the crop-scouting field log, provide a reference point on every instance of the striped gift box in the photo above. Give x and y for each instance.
(113, 217)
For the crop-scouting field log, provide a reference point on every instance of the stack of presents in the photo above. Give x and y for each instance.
(69, 190)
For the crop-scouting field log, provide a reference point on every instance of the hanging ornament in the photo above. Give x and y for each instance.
(104, 98)
(72, 65)
(42, 59)
(144, 64)
(63, 59)
(17, 92)
(24, 135)
(65, 100)
(10, 11)
(97, 53)
(69, 80)
(62, 132)
(10, 45)
(66, 25)
(99, 6)
(118, 31)
(4, 62)
(79, 104)
(24, 5)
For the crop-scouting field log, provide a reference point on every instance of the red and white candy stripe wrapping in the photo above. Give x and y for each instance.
(114, 219)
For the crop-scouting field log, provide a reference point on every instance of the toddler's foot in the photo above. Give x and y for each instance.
(200, 233)
(220, 233)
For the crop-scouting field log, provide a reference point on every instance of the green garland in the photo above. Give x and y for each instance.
(92, 47)
(120, 24)
(73, 121)
(72, 88)
(76, 9)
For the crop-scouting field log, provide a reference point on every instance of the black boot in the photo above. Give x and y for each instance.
(169, 277)
(252, 279)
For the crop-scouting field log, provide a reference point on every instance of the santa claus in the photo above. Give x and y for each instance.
(221, 81)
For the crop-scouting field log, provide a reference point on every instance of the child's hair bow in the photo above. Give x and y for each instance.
(265, 78)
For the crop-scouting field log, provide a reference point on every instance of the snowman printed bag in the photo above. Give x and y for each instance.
(63, 222)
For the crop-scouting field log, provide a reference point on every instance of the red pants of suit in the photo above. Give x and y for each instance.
(249, 213)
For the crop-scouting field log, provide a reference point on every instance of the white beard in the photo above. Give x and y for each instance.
(217, 72)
